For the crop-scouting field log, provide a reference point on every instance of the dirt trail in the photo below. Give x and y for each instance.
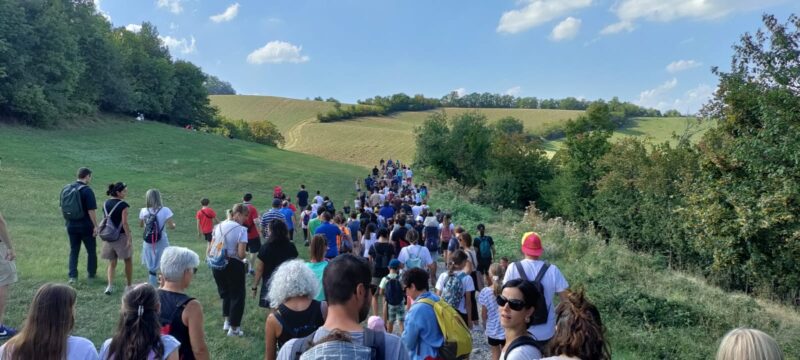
(294, 133)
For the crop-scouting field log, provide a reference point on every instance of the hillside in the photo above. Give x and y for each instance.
(283, 112)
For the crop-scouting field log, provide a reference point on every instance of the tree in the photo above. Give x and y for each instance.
(509, 126)
(215, 86)
(190, 104)
(469, 143)
(265, 132)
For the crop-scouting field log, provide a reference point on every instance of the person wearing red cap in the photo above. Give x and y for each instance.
(553, 282)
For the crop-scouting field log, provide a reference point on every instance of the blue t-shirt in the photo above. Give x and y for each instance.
(331, 232)
(387, 212)
(289, 215)
(355, 227)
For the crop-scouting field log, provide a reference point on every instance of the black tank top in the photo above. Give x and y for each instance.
(298, 324)
(172, 306)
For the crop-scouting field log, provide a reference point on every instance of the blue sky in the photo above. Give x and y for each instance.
(657, 53)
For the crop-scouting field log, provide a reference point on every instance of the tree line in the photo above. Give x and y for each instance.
(59, 59)
(726, 207)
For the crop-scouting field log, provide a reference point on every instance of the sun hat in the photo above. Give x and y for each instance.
(532, 244)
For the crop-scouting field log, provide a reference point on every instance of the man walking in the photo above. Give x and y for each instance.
(302, 197)
(78, 206)
(553, 282)
(253, 233)
(422, 335)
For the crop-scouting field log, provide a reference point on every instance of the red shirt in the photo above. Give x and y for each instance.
(206, 217)
(252, 231)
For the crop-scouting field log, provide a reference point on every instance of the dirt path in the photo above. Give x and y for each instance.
(294, 133)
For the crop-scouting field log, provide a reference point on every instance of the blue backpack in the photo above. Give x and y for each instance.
(432, 239)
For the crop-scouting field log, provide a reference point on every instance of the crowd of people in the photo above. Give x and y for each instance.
(378, 257)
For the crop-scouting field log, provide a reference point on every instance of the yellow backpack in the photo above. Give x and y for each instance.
(457, 338)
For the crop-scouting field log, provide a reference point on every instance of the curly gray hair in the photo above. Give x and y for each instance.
(176, 260)
(293, 278)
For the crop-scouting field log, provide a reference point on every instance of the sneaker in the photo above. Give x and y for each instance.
(235, 332)
(226, 326)
(72, 281)
(7, 332)
(109, 288)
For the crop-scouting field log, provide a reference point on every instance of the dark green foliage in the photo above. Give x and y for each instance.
(215, 86)
(377, 106)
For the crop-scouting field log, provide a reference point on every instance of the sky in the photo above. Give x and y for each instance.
(655, 53)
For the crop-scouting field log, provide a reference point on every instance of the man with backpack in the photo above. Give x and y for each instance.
(346, 282)
(484, 249)
(78, 206)
(548, 280)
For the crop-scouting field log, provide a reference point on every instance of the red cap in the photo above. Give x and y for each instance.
(532, 244)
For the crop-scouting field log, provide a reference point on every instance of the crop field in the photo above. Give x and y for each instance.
(284, 113)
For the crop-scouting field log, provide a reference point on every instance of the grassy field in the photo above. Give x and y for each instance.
(284, 113)
(184, 165)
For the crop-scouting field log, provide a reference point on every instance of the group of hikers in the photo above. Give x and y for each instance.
(378, 257)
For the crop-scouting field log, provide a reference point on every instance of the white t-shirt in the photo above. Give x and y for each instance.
(489, 300)
(234, 233)
(162, 216)
(369, 242)
(416, 210)
(171, 344)
(314, 208)
(553, 282)
(319, 199)
(417, 250)
(466, 280)
(78, 348)
(409, 173)
(522, 353)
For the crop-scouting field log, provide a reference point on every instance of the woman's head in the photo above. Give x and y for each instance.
(516, 302)
(278, 231)
(457, 260)
(178, 264)
(465, 240)
(579, 330)
(292, 279)
(139, 330)
(383, 233)
(50, 320)
(412, 236)
(747, 344)
(496, 277)
(153, 199)
(117, 190)
(239, 213)
(318, 247)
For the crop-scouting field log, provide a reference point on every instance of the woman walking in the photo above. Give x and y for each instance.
(231, 279)
(516, 304)
(180, 314)
(579, 331)
(116, 209)
(272, 254)
(138, 333)
(154, 218)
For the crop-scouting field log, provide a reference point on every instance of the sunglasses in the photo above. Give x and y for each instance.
(514, 304)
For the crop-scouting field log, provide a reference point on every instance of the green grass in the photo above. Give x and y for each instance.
(284, 113)
(184, 165)
(650, 311)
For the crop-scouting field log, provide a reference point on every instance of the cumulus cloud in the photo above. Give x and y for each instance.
(182, 46)
(537, 12)
(277, 52)
(617, 28)
(133, 28)
(662, 97)
(227, 15)
(655, 98)
(681, 65)
(174, 6)
(460, 91)
(693, 99)
(566, 29)
(100, 11)
(514, 91)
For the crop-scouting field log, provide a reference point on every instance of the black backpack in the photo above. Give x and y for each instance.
(393, 292)
(71, 203)
(152, 232)
(382, 259)
(541, 311)
(521, 341)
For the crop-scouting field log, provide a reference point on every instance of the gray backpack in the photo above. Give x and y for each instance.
(108, 230)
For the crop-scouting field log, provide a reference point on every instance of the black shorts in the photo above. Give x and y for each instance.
(495, 342)
(253, 245)
(207, 237)
(483, 266)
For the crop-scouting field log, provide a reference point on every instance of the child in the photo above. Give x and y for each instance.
(495, 335)
(504, 264)
(455, 286)
(393, 292)
(206, 219)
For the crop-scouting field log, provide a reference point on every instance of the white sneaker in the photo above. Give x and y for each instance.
(226, 326)
(235, 332)
(109, 289)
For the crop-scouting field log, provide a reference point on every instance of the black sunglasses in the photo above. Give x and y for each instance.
(514, 304)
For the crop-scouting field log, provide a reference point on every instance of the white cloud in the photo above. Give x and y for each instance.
(662, 97)
(566, 29)
(227, 15)
(617, 28)
(133, 28)
(100, 11)
(694, 99)
(655, 98)
(514, 91)
(537, 12)
(173, 26)
(174, 6)
(183, 46)
(277, 52)
(460, 91)
(681, 65)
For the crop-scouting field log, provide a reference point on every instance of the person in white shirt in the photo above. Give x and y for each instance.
(151, 251)
(231, 280)
(415, 255)
(456, 264)
(46, 333)
(517, 303)
(553, 282)
(318, 199)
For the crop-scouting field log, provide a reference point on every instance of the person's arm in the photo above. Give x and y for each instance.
(257, 276)
(272, 330)
(170, 223)
(93, 216)
(125, 226)
(193, 318)
(199, 230)
(10, 255)
(173, 355)
(242, 250)
(468, 303)
(484, 316)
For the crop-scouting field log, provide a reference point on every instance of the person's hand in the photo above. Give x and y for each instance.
(10, 255)
(95, 231)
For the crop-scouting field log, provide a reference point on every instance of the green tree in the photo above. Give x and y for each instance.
(215, 86)
(469, 144)
(509, 125)
(190, 104)
(265, 132)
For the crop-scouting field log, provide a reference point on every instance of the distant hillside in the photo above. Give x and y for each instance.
(282, 112)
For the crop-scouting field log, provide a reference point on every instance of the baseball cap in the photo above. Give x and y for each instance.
(276, 202)
(531, 244)
(394, 264)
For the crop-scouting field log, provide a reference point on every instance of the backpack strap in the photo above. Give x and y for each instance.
(521, 341)
(521, 270)
(300, 345)
(376, 342)
(112, 209)
(179, 309)
(541, 273)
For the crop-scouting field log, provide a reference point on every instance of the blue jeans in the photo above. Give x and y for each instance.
(76, 237)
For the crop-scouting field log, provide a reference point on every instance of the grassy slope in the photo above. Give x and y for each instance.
(184, 165)
(283, 112)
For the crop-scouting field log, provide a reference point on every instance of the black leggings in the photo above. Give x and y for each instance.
(230, 285)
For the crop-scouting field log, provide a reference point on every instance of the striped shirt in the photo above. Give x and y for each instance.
(268, 216)
(493, 328)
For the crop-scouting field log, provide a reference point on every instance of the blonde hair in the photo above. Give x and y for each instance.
(495, 270)
(748, 344)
